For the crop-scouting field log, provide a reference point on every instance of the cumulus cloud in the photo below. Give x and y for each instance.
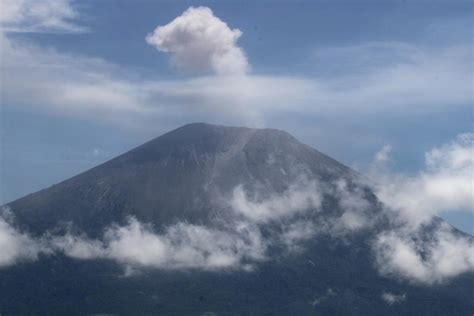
(391, 298)
(39, 16)
(445, 184)
(407, 255)
(199, 41)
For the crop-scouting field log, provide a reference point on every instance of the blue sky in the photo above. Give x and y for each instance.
(81, 84)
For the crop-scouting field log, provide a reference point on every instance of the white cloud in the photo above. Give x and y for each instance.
(294, 234)
(181, 246)
(236, 244)
(383, 155)
(355, 208)
(406, 78)
(330, 293)
(73, 85)
(15, 246)
(38, 16)
(199, 41)
(300, 197)
(446, 184)
(406, 255)
(392, 298)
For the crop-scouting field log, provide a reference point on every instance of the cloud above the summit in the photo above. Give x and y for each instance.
(198, 41)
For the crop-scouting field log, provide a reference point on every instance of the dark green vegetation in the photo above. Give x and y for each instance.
(177, 177)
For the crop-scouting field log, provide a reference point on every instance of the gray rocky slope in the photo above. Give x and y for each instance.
(189, 175)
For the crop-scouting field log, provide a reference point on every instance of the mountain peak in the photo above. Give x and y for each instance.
(177, 176)
(215, 197)
(201, 130)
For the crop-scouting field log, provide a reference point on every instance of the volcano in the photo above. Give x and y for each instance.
(216, 220)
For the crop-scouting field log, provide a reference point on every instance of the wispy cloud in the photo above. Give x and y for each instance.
(414, 80)
(39, 16)
(415, 249)
(182, 246)
(392, 298)
(445, 184)
(407, 255)
(16, 246)
(300, 197)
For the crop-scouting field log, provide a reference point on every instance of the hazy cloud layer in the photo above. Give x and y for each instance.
(72, 85)
(39, 16)
(199, 41)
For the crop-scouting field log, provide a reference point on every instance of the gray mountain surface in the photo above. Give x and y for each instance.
(187, 175)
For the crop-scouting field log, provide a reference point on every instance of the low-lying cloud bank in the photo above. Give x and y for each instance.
(181, 246)
(236, 244)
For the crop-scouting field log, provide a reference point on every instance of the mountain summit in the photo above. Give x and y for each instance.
(216, 220)
(176, 177)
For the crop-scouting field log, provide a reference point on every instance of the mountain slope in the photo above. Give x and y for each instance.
(175, 177)
(306, 247)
